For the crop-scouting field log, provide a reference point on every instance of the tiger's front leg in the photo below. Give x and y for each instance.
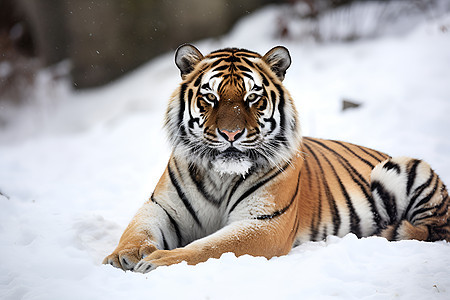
(255, 237)
(141, 237)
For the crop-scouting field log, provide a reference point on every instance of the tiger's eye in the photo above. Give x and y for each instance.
(252, 97)
(211, 97)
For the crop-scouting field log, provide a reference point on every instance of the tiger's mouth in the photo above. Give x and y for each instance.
(232, 153)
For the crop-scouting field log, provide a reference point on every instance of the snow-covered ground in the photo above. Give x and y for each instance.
(75, 167)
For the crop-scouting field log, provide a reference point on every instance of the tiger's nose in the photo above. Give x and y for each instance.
(230, 136)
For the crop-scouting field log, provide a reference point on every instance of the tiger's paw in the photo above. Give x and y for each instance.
(127, 257)
(166, 258)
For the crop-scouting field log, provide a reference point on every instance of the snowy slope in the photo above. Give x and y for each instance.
(70, 183)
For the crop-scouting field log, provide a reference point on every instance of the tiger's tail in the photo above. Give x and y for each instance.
(411, 200)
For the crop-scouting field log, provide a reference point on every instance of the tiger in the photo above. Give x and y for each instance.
(241, 178)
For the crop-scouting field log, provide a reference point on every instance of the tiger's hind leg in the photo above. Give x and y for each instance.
(411, 200)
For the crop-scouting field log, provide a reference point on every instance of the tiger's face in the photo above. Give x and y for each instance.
(231, 113)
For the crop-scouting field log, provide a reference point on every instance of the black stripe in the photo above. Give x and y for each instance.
(201, 186)
(354, 218)
(233, 190)
(190, 95)
(173, 222)
(248, 75)
(284, 209)
(417, 192)
(368, 163)
(281, 109)
(248, 62)
(226, 51)
(182, 105)
(177, 230)
(191, 124)
(365, 150)
(232, 59)
(388, 200)
(437, 233)
(425, 200)
(244, 52)
(313, 228)
(390, 165)
(442, 213)
(182, 129)
(205, 86)
(264, 77)
(420, 211)
(428, 197)
(444, 201)
(182, 196)
(165, 245)
(198, 80)
(375, 154)
(333, 208)
(221, 68)
(319, 213)
(258, 88)
(395, 236)
(250, 135)
(315, 223)
(256, 186)
(273, 97)
(219, 54)
(272, 123)
(348, 166)
(325, 232)
(261, 105)
(412, 176)
(215, 63)
(359, 180)
(308, 171)
(243, 68)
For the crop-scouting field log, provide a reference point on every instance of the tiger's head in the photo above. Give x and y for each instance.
(231, 112)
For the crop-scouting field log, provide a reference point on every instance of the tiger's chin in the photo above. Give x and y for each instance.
(232, 165)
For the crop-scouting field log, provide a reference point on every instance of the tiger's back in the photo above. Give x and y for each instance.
(348, 188)
(336, 187)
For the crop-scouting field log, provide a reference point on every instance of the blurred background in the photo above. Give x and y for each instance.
(87, 44)
(104, 39)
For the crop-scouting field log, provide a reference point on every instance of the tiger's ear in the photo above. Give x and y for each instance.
(279, 60)
(186, 57)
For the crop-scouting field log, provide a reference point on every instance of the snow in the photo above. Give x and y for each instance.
(73, 175)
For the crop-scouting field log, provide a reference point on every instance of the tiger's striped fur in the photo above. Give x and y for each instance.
(241, 179)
